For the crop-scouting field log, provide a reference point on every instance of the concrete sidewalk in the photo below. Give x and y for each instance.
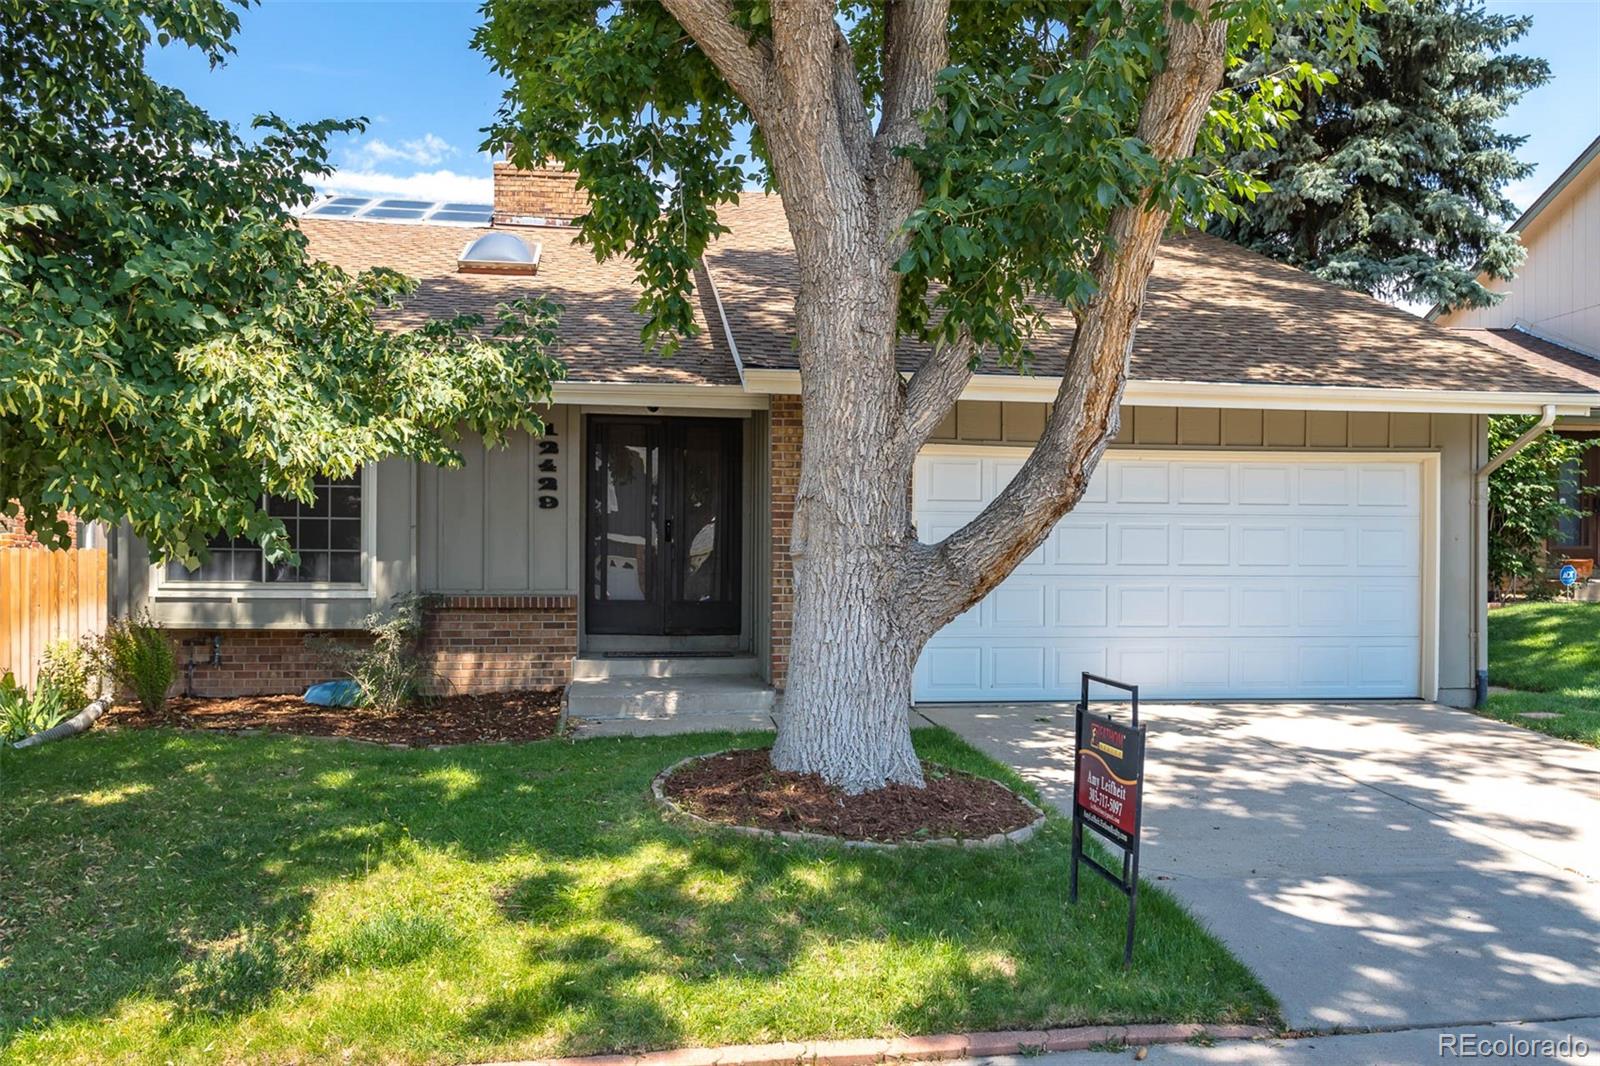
(1379, 865)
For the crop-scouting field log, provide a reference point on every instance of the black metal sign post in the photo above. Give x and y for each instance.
(1108, 794)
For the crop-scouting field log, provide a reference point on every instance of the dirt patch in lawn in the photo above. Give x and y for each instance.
(494, 716)
(741, 788)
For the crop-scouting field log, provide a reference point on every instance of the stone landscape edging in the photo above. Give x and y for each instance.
(908, 1049)
(993, 840)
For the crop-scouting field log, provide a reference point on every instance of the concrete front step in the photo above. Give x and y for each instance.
(653, 697)
(601, 667)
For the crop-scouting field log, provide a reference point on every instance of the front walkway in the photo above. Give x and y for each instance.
(1379, 865)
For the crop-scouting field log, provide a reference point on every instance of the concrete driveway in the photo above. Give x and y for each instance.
(1379, 865)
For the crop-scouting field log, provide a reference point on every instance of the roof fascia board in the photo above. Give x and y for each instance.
(722, 319)
(1267, 397)
(653, 394)
(1567, 177)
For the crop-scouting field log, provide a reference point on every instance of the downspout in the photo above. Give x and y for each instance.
(1480, 510)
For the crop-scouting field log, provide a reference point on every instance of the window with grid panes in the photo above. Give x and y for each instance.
(325, 532)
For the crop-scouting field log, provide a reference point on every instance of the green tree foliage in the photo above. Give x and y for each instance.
(1030, 147)
(1527, 501)
(1394, 183)
(168, 350)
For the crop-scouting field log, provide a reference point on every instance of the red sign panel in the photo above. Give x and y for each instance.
(1109, 764)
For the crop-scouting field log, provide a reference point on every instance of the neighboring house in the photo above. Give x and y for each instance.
(1292, 508)
(1552, 308)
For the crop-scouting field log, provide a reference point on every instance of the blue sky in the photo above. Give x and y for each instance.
(410, 69)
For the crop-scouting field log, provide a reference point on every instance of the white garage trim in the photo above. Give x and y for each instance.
(1427, 464)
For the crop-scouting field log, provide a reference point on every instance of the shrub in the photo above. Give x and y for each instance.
(21, 716)
(136, 655)
(64, 670)
(1526, 504)
(389, 670)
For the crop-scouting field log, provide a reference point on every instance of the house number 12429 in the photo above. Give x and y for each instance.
(547, 484)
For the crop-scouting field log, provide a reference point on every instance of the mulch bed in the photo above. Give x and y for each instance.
(742, 788)
(494, 716)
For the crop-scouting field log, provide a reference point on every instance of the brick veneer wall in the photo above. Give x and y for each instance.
(255, 662)
(547, 192)
(470, 644)
(14, 532)
(784, 478)
(498, 643)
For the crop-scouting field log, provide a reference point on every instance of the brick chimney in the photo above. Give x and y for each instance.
(542, 196)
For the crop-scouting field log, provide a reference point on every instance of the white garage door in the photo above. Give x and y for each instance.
(1194, 578)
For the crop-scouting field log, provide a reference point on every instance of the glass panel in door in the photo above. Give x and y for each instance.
(624, 526)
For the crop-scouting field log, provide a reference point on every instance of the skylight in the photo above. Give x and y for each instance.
(396, 209)
(499, 253)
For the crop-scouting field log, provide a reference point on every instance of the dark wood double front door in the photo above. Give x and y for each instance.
(662, 513)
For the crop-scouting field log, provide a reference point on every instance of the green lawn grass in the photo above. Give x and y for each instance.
(184, 897)
(1550, 654)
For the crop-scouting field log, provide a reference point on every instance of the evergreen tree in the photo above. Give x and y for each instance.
(1393, 184)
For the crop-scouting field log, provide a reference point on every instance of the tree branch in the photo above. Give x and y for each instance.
(933, 390)
(945, 579)
(745, 65)
(855, 126)
(916, 47)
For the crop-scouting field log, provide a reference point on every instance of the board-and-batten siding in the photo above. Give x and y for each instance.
(480, 526)
(996, 422)
(1556, 293)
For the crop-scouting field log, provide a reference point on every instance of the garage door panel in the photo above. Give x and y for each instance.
(1203, 545)
(1136, 483)
(1081, 541)
(1141, 543)
(1018, 604)
(1194, 578)
(1201, 484)
(1081, 606)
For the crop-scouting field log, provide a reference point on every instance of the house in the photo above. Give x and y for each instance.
(1293, 508)
(1552, 308)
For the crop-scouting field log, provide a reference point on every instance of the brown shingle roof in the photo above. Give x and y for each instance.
(599, 329)
(1553, 357)
(1214, 313)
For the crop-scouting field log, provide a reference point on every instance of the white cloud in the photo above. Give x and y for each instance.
(429, 185)
(426, 151)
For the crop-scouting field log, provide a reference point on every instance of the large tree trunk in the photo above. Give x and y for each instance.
(847, 702)
(867, 595)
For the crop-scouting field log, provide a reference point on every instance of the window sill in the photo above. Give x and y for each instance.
(211, 591)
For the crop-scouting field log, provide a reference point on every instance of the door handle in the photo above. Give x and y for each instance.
(668, 531)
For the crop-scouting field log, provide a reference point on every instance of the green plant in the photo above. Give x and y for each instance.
(1527, 501)
(136, 655)
(388, 668)
(21, 716)
(64, 669)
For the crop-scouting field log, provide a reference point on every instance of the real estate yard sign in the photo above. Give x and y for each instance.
(1108, 793)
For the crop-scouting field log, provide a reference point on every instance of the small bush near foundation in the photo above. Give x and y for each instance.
(137, 656)
(65, 670)
(389, 670)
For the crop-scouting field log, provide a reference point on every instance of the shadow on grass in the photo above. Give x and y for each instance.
(526, 897)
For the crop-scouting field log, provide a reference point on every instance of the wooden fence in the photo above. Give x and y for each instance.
(45, 596)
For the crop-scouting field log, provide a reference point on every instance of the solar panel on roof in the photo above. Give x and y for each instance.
(421, 212)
